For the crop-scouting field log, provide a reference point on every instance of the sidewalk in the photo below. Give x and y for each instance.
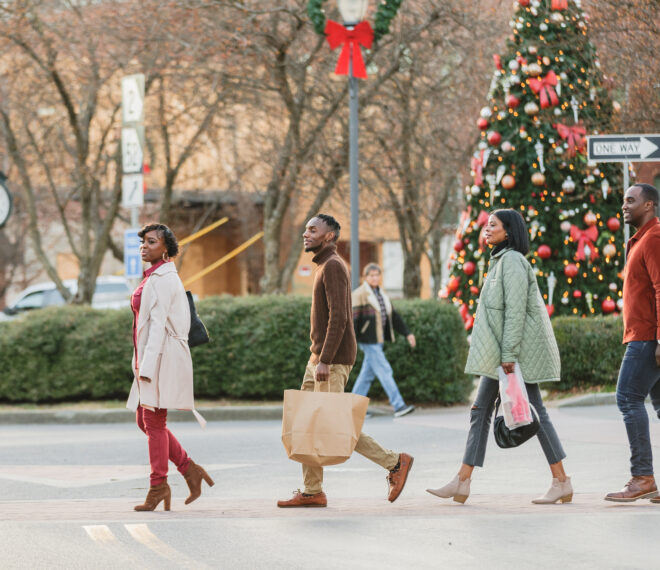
(232, 413)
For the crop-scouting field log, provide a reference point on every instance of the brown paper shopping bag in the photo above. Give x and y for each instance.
(321, 428)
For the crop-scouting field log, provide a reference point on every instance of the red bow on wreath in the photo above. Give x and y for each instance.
(360, 35)
(559, 4)
(477, 165)
(573, 135)
(546, 87)
(585, 239)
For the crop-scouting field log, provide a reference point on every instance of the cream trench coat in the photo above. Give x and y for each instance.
(163, 354)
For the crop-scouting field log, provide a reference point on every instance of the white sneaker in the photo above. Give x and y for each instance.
(455, 489)
(558, 491)
(404, 411)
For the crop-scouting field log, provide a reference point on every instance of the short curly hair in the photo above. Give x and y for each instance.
(164, 232)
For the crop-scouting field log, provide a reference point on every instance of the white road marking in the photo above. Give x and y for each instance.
(143, 535)
(101, 534)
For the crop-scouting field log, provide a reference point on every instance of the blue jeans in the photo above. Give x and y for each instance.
(482, 413)
(639, 377)
(375, 364)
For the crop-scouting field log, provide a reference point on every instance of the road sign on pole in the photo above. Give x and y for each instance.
(132, 155)
(132, 190)
(624, 148)
(132, 259)
(132, 98)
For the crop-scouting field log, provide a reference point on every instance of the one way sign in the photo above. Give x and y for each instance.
(624, 148)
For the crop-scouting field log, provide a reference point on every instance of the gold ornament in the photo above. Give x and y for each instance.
(538, 179)
(531, 108)
(533, 69)
(508, 182)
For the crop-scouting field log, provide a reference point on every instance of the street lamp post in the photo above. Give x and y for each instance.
(352, 12)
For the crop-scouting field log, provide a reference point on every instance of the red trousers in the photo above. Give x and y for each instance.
(163, 446)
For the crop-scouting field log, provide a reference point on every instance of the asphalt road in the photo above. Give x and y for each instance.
(67, 492)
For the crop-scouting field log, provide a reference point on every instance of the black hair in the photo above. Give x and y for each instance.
(649, 193)
(515, 228)
(331, 223)
(164, 232)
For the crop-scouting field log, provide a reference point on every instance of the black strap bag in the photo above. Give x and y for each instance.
(198, 333)
(505, 437)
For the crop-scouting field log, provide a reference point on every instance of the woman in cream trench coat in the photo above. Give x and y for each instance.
(162, 364)
(511, 326)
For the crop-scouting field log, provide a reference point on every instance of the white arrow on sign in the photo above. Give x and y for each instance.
(132, 190)
(132, 98)
(647, 147)
(131, 150)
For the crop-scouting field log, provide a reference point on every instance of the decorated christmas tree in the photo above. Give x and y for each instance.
(546, 95)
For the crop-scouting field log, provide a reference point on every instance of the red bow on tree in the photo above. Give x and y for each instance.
(360, 35)
(574, 136)
(546, 87)
(477, 164)
(585, 239)
(559, 4)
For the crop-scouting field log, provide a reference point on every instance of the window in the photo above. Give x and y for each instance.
(33, 300)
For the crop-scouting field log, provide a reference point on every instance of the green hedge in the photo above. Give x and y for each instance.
(259, 348)
(590, 349)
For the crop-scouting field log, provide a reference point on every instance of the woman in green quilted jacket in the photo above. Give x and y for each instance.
(511, 326)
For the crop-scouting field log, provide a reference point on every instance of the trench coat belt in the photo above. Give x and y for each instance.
(177, 337)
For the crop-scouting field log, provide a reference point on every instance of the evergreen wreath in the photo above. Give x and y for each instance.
(384, 16)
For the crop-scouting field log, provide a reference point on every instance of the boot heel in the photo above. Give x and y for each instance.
(210, 482)
(166, 503)
(566, 499)
(460, 498)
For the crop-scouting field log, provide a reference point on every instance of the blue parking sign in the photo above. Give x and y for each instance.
(132, 259)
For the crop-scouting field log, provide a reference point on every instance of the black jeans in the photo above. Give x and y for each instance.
(481, 415)
(639, 377)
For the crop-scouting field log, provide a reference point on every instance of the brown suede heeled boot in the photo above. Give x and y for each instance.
(156, 494)
(193, 476)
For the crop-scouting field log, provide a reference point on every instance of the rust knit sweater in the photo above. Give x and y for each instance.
(331, 319)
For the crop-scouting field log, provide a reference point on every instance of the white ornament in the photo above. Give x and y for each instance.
(485, 112)
(506, 146)
(564, 300)
(501, 169)
(483, 145)
(492, 181)
(552, 283)
(619, 304)
(543, 27)
(613, 287)
(563, 76)
(475, 190)
(538, 147)
(565, 226)
(605, 188)
(575, 105)
(534, 229)
(568, 185)
(513, 65)
(557, 111)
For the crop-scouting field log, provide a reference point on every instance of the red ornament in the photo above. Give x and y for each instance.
(512, 101)
(524, 3)
(474, 290)
(482, 123)
(544, 251)
(550, 309)
(559, 4)
(469, 268)
(469, 323)
(613, 224)
(453, 284)
(577, 294)
(608, 306)
(458, 245)
(571, 270)
(494, 137)
(498, 61)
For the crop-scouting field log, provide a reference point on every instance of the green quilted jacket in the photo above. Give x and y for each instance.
(512, 323)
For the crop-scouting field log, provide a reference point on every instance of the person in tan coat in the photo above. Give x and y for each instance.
(162, 365)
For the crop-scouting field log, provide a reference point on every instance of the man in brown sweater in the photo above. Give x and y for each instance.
(333, 354)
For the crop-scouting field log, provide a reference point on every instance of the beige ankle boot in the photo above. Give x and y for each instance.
(455, 489)
(558, 491)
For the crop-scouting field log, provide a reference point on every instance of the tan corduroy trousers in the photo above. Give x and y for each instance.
(366, 445)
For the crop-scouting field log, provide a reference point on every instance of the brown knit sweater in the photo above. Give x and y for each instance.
(331, 319)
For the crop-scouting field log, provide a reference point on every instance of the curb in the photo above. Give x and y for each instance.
(596, 399)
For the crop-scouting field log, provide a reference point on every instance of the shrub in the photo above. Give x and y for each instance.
(259, 347)
(590, 349)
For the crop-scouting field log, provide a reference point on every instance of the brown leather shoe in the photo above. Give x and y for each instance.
(194, 476)
(156, 494)
(397, 477)
(639, 487)
(300, 499)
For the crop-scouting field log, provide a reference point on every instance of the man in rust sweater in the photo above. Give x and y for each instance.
(639, 375)
(333, 354)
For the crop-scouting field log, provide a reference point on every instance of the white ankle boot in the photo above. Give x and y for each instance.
(456, 489)
(558, 491)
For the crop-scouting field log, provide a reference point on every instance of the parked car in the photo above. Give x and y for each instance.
(111, 292)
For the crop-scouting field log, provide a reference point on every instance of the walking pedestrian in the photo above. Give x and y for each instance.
(511, 326)
(333, 353)
(639, 375)
(375, 321)
(162, 364)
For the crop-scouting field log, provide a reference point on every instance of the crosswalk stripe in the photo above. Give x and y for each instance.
(101, 533)
(143, 535)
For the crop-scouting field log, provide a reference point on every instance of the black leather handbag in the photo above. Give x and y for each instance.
(198, 333)
(505, 437)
